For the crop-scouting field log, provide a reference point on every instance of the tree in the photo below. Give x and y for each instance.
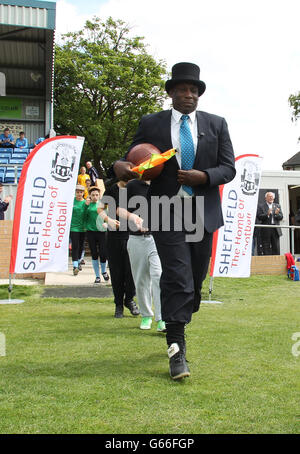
(104, 82)
(294, 101)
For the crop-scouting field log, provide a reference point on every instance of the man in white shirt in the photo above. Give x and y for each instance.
(269, 213)
(204, 161)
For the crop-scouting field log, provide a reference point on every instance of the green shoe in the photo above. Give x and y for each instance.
(161, 326)
(146, 323)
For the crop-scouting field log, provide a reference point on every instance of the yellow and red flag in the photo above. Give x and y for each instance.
(154, 160)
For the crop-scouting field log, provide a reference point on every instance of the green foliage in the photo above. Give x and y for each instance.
(294, 101)
(104, 82)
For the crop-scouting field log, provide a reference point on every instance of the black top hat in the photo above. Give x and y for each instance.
(186, 72)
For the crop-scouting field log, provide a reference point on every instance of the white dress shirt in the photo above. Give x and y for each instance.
(270, 205)
(175, 136)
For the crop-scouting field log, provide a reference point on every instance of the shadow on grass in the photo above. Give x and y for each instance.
(154, 366)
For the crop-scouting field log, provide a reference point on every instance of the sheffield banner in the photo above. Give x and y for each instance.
(232, 243)
(44, 206)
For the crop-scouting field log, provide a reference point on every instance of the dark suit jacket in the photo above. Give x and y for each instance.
(262, 215)
(3, 207)
(214, 155)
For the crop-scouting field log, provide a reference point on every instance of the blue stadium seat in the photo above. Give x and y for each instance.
(6, 150)
(5, 155)
(21, 150)
(19, 155)
(19, 172)
(2, 174)
(4, 160)
(17, 160)
(9, 176)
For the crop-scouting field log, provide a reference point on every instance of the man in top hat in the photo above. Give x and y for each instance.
(204, 161)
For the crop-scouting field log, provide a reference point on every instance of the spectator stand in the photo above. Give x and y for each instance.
(11, 163)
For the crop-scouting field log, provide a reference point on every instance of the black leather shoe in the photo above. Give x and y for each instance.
(132, 307)
(178, 365)
(119, 312)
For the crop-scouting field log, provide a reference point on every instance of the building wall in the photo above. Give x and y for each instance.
(28, 14)
(31, 121)
(5, 246)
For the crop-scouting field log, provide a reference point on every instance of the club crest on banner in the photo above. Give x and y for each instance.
(250, 176)
(64, 161)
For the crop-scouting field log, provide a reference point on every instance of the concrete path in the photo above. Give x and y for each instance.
(85, 277)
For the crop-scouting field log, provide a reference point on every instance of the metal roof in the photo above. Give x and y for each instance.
(28, 13)
(27, 50)
(293, 161)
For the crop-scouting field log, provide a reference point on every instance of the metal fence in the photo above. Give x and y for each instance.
(291, 227)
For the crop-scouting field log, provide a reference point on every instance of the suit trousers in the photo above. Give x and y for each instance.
(120, 270)
(270, 241)
(184, 268)
(146, 271)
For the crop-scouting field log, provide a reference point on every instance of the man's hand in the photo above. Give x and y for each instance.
(191, 177)
(123, 172)
(88, 201)
(138, 222)
(8, 198)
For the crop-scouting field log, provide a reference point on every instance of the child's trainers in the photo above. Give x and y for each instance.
(161, 326)
(146, 323)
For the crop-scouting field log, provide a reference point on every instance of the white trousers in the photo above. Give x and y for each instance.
(146, 272)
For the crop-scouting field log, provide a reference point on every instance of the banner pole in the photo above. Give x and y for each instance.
(211, 282)
(9, 300)
(9, 287)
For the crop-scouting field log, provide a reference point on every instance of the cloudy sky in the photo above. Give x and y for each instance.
(248, 53)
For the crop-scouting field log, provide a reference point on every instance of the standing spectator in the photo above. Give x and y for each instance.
(6, 139)
(96, 239)
(92, 172)
(21, 141)
(77, 228)
(85, 196)
(88, 187)
(269, 213)
(83, 176)
(4, 203)
(118, 260)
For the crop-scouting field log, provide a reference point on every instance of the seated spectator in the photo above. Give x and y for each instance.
(22, 142)
(6, 139)
(39, 140)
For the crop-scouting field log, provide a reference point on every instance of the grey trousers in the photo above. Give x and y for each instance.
(146, 272)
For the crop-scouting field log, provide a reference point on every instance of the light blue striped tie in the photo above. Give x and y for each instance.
(187, 149)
